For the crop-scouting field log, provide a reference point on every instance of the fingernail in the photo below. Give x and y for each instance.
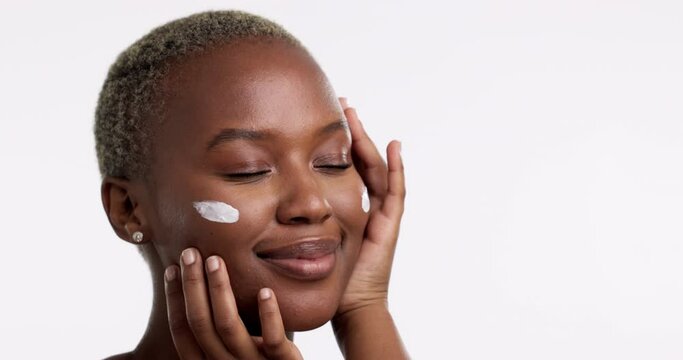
(344, 101)
(170, 273)
(264, 294)
(188, 256)
(400, 146)
(212, 263)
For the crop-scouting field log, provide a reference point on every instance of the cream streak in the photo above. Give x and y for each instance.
(217, 211)
(365, 200)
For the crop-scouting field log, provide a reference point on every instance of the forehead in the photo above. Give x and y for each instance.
(259, 85)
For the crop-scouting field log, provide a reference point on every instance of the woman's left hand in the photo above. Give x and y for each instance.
(369, 283)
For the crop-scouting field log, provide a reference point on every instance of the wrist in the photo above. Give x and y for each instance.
(368, 332)
(346, 318)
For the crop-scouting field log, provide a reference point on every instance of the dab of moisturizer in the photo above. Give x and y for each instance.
(365, 200)
(217, 211)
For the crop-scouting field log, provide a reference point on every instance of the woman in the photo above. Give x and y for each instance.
(252, 191)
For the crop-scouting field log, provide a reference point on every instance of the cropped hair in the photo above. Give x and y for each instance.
(131, 101)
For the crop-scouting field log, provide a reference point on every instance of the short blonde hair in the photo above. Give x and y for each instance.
(131, 99)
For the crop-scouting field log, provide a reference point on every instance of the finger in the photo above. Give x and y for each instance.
(229, 325)
(275, 343)
(197, 307)
(183, 338)
(393, 204)
(344, 103)
(257, 340)
(372, 167)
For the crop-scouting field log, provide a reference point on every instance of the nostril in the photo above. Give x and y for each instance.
(303, 208)
(307, 220)
(299, 220)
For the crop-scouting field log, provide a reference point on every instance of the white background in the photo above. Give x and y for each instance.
(543, 143)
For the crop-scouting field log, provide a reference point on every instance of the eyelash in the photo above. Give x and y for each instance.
(246, 175)
(335, 167)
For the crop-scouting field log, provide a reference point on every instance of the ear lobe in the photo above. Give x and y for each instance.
(121, 206)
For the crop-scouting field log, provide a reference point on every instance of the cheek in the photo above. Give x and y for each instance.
(350, 207)
(222, 223)
(229, 222)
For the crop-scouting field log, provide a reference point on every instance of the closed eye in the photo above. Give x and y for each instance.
(335, 166)
(333, 162)
(246, 175)
(333, 169)
(250, 175)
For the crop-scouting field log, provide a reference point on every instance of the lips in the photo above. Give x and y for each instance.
(306, 249)
(306, 259)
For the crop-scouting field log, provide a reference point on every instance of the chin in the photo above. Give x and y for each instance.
(302, 313)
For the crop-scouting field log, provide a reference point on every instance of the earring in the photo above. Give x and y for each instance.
(137, 237)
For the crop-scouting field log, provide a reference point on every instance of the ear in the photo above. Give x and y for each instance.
(122, 201)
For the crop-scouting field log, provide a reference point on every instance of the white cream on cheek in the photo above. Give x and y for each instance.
(365, 200)
(217, 211)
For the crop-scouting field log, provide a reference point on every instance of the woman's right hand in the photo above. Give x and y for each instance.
(203, 317)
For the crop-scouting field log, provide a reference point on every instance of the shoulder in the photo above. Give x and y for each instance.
(123, 356)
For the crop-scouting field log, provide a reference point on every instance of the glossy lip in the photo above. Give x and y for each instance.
(307, 259)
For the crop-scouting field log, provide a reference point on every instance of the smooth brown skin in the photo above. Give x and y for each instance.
(280, 89)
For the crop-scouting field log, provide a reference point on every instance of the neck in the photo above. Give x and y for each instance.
(157, 342)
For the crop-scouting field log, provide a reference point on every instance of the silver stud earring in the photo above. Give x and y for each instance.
(137, 237)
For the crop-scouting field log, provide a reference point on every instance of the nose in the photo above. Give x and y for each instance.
(302, 201)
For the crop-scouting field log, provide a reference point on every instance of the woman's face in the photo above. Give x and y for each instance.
(257, 126)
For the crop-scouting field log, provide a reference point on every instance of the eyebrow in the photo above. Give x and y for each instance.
(232, 134)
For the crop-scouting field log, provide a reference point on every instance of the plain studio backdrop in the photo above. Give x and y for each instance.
(543, 144)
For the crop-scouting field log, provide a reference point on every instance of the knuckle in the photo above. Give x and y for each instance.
(275, 346)
(173, 291)
(177, 325)
(269, 313)
(199, 322)
(227, 327)
(218, 285)
(399, 193)
(193, 279)
(176, 321)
